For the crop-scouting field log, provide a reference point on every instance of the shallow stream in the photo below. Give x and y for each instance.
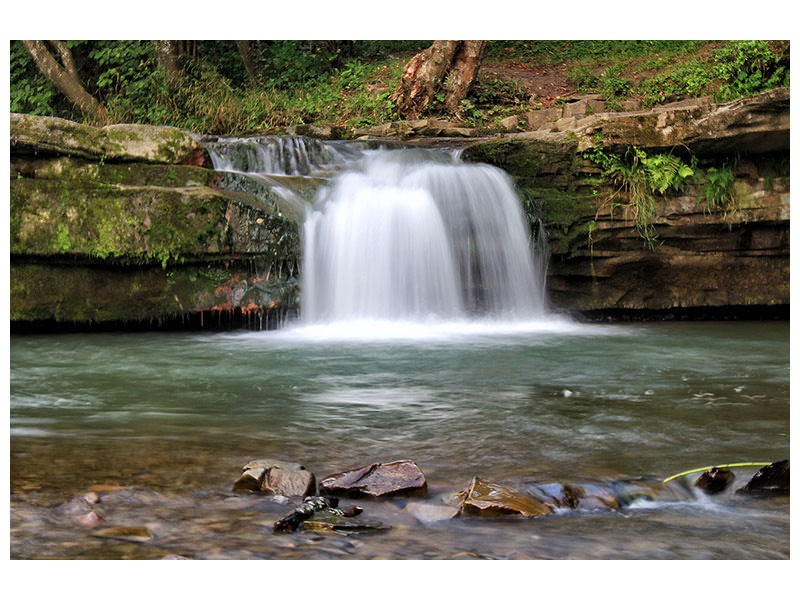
(170, 418)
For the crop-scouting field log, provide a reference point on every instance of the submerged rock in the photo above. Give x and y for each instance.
(430, 513)
(488, 498)
(326, 521)
(89, 520)
(631, 490)
(714, 480)
(377, 480)
(770, 480)
(130, 534)
(79, 504)
(579, 497)
(276, 478)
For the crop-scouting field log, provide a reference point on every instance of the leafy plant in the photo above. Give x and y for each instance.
(717, 192)
(639, 178)
(750, 67)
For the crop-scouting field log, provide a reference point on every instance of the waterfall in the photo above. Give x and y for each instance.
(419, 236)
(281, 155)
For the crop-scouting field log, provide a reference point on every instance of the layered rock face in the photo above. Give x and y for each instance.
(118, 227)
(705, 258)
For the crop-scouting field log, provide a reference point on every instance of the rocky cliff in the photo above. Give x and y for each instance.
(118, 227)
(121, 226)
(708, 258)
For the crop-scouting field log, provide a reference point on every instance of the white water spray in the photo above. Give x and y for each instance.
(419, 237)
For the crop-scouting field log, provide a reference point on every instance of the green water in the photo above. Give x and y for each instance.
(172, 417)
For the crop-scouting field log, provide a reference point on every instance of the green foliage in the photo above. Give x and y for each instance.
(30, 91)
(717, 192)
(554, 51)
(750, 67)
(639, 178)
(689, 79)
(348, 82)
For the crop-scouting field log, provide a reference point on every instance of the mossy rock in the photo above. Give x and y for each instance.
(37, 135)
(98, 293)
(135, 225)
(526, 159)
(131, 174)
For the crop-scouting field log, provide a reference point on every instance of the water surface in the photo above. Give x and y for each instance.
(172, 417)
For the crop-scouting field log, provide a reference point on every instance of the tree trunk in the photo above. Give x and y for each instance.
(247, 58)
(65, 76)
(448, 68)
(462, 73)
(168, 57)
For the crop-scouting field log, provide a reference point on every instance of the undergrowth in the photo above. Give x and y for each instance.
(348, 83)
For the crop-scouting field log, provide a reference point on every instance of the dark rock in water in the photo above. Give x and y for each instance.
(316, 507)
(770, 480)
(277, 478)
(715, 480)
(324, 521)
(488, 498)
(377, 480)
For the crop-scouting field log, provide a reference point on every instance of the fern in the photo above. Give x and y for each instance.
(639, 177)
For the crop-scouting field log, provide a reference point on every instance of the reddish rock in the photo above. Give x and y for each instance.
(377, 480)
(488, 498)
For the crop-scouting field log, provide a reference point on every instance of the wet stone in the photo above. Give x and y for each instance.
(575, 497)
(276, 478)
(770, 480)
(89, 520)
(431, 513)
(714, 480)
(323, 521)
(250, 480)
(79, 504)
(127, 533)
(631, 490)
(377, 480)
(489, 498)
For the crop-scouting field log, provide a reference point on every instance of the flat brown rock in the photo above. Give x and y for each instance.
(376, 480)
(488, 498)
(130, 534)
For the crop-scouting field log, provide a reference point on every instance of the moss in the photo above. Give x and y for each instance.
(107, 221)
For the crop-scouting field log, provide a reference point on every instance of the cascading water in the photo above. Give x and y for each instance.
(397, 237)
(419, 236)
